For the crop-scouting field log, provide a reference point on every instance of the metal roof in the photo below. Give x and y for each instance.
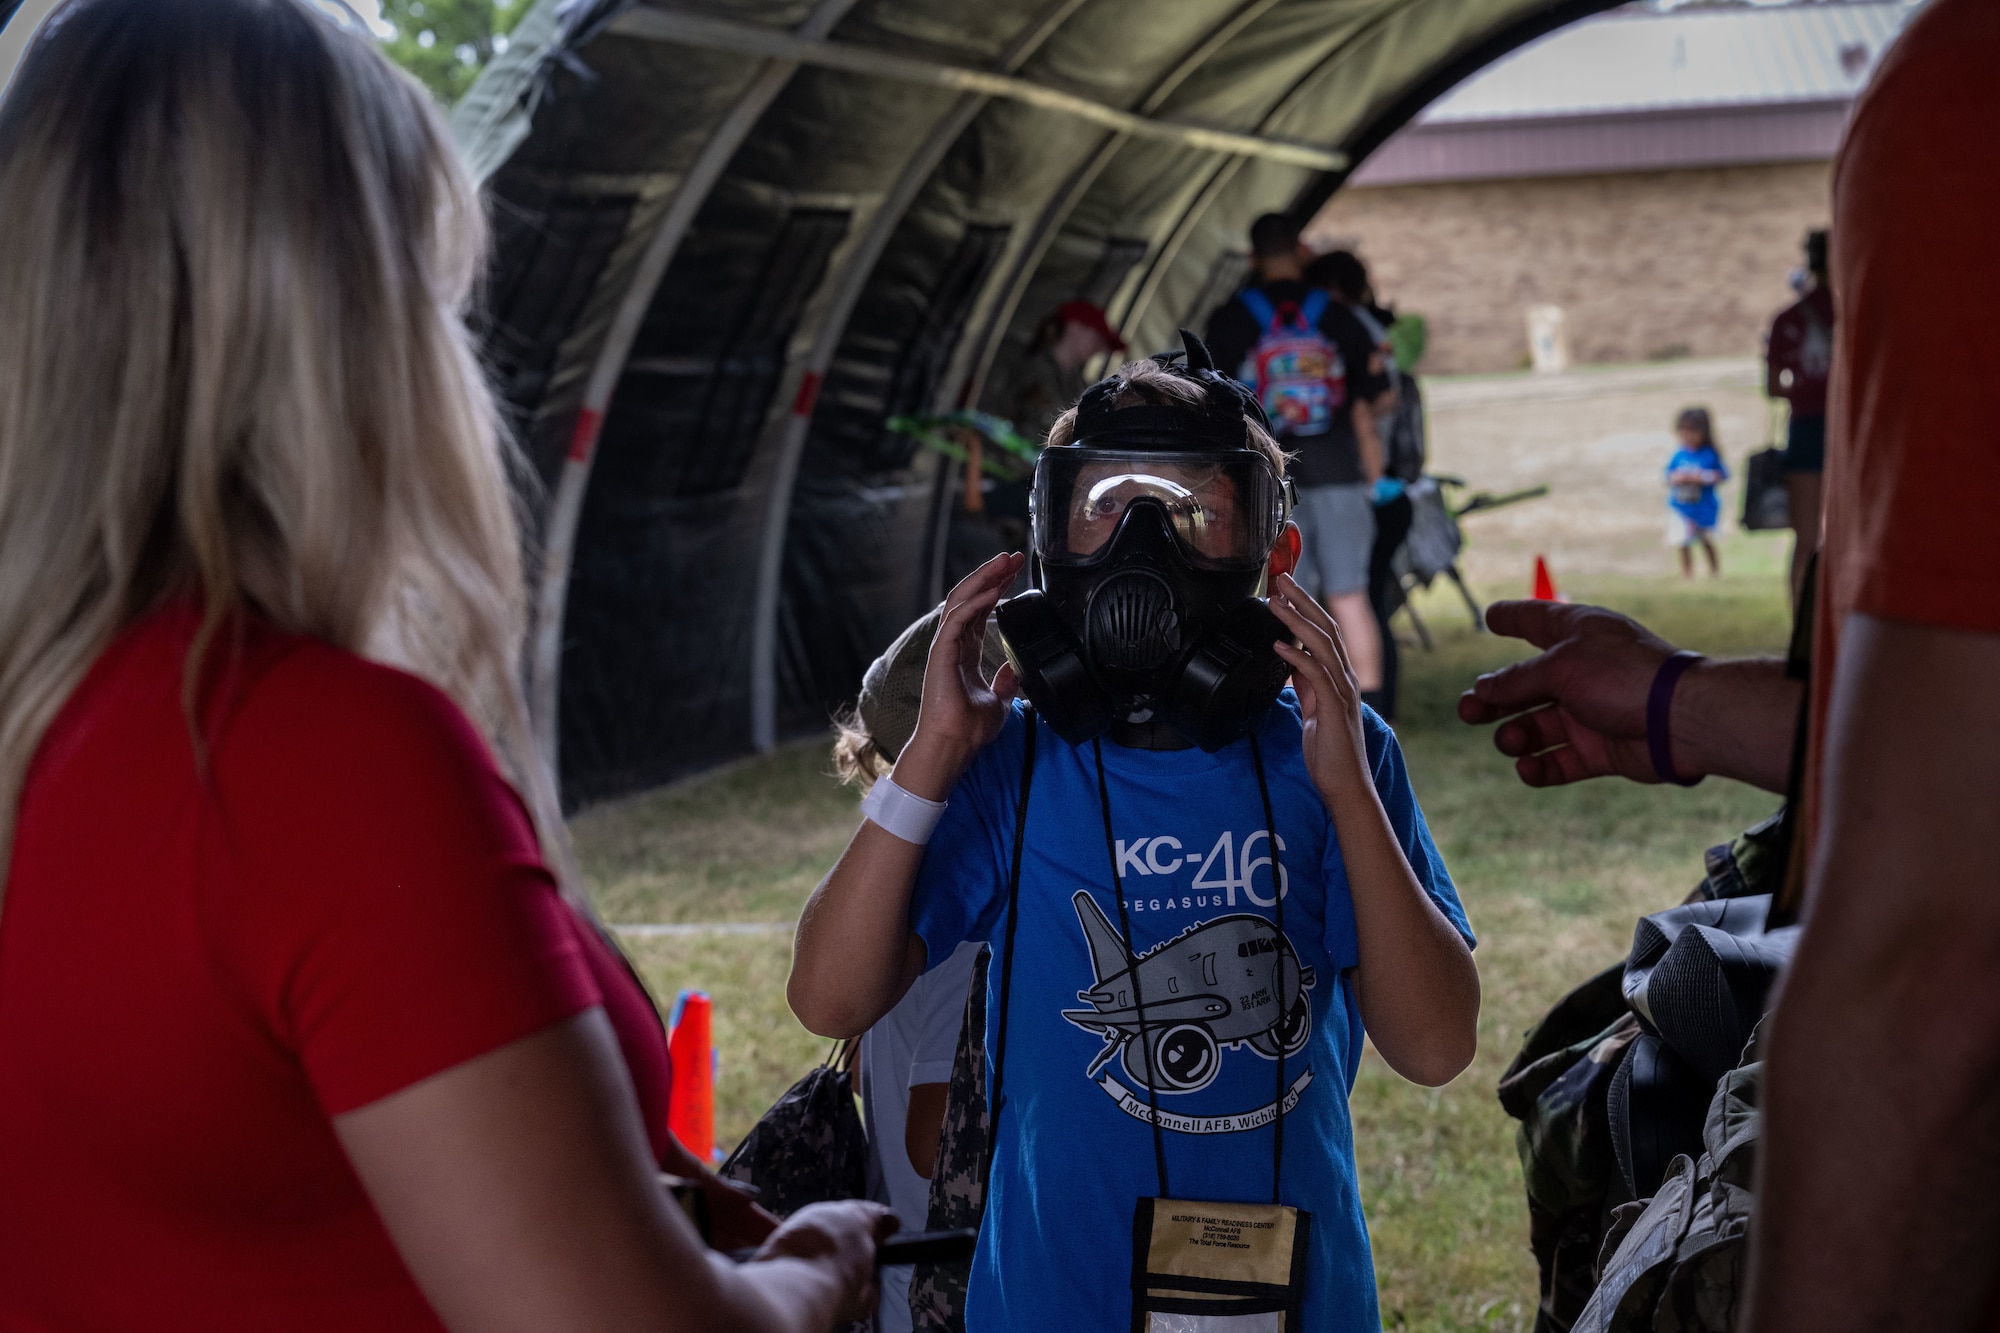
(1635, 61)
(1608, 143)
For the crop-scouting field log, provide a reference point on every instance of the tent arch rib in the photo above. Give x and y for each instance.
(722, 34)
(1058, 210)
(793, 424)
(1543, 18)
(1224, 172)
(566, 501)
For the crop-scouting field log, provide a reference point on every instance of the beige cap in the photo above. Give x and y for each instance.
(893, 689)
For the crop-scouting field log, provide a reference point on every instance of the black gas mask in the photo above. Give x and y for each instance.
(1152, 535)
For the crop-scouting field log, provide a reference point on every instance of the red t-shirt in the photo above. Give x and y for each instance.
(1798, 355)
(198, 970)
(1913, 427)
(642, 1038)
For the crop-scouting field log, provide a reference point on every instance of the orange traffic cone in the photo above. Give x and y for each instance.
(1545, 586)
(691, 1103)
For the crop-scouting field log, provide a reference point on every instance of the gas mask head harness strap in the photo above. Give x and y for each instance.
(1152, 535)
(1218, 422)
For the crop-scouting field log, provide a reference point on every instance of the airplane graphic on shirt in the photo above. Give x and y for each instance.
(1223, 984)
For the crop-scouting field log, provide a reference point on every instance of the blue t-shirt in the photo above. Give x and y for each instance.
(1696, 503)
(1073, 1153)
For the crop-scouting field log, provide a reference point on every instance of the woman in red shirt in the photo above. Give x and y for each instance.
(297, 1029)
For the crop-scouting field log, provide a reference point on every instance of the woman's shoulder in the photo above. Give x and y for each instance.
(256, 678)
(351, 685)
(358, 731)
(318, 688)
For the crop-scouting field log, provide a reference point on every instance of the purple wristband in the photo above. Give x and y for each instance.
(1659, 705)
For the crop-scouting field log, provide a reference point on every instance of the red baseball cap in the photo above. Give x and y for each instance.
(1091, 316)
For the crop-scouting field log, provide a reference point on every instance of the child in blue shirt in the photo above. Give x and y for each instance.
(1149, 862)
(1693, 473)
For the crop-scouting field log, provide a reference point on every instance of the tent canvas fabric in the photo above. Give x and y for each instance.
(732, 241)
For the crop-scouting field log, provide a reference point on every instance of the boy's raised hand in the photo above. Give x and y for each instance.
(1336, 750)
(961, 711)
(1418, 988)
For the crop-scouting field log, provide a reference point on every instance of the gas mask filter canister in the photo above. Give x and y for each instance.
(1151, 539)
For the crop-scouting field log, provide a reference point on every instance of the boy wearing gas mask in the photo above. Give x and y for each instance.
(1201, 886)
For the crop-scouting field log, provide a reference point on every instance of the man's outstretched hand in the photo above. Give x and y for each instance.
(1577, 709)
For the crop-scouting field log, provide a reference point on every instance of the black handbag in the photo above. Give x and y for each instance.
(810, 1147)
(1405, 440)
(1767, 506)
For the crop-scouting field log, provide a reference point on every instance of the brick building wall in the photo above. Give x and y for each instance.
(1645, 265)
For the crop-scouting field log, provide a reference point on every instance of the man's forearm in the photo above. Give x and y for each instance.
(1877, 1203)
(1736, 718)
(1876, 1209)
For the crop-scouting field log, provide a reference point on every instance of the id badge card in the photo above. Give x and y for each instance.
(1202, 1267)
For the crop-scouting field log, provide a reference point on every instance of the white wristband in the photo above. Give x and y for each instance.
(907, 816)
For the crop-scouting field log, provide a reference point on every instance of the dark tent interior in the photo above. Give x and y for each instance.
(733, 240)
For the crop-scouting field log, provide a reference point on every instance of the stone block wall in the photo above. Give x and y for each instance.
(1646, 265)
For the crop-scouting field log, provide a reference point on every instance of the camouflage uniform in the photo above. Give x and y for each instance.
(1557, 1085)
(958, 1184)
(891, 697)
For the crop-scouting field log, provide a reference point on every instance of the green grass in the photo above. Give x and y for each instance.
(745, 844)
(763, 1050)
(1553, 881)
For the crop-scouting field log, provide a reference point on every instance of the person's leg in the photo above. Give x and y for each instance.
(1687, 561)
(1356, 620)
(1346, 540)
(1312, 522)
(1805, 458)
(1714, 561)
(1802, 493)
(1392, 526)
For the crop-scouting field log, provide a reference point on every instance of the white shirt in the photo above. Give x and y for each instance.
(913, 1043)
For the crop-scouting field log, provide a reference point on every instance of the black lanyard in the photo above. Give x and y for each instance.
(998, 1100)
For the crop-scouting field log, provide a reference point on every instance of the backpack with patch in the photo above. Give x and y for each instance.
(1297, 373)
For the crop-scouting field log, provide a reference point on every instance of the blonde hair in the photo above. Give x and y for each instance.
(234, 366)
(1147, 382)
(857, 760)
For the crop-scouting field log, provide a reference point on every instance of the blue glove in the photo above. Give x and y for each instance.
(1386, 489)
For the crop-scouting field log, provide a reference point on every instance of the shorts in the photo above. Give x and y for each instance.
(1338, 524)
(1805, 445)
(1683, 531)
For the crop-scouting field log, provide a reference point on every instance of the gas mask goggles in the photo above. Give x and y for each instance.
(1151, 538)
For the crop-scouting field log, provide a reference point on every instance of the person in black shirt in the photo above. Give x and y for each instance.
(1344, 277)
(1338, 463)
